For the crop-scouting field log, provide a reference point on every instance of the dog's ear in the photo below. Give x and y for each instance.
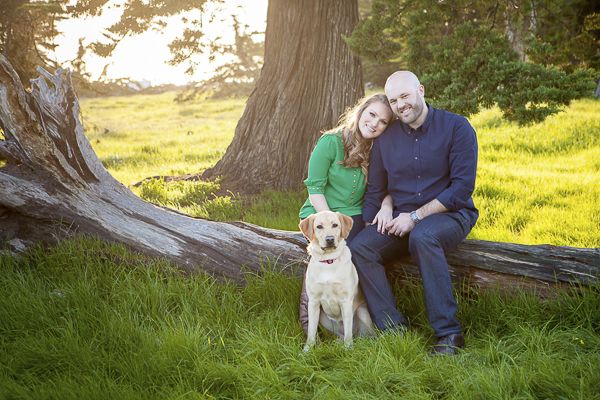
(347, 223)
(306, 226)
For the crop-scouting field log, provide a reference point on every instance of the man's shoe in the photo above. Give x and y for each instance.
(448, 345)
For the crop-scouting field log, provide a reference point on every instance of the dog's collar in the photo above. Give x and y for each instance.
(330, 261)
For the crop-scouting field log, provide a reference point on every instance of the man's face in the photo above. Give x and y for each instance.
(407, 101)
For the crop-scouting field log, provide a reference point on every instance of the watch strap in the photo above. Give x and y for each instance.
(415, 217)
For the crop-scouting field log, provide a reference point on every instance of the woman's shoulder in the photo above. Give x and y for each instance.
(332, 137)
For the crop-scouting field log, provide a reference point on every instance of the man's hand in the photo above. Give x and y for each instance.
(401, 225)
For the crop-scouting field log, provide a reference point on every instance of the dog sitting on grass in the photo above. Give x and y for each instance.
(334, 296)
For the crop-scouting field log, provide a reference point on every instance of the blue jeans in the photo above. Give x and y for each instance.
(427, 244)
(356, 228)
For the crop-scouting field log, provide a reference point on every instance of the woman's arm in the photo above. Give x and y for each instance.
(319, 202)
(319, 164)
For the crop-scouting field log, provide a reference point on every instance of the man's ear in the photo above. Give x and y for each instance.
(306, 226)
(346, 222)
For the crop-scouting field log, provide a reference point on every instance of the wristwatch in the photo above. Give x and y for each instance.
(415, 217)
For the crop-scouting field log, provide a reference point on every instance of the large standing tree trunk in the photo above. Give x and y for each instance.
(55, 186)
(309, 78)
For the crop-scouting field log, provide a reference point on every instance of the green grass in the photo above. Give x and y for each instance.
(140, 136)
(540, 184)
(87, 320)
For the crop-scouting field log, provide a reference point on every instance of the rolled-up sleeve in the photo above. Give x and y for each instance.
(463, 167)
(318, 167)
(378, 184)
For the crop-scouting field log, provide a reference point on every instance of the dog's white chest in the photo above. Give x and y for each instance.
(332, 294)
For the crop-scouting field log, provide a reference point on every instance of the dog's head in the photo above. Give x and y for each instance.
(326, 228)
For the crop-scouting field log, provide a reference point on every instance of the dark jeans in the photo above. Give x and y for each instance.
(356, 227)
(427, 244)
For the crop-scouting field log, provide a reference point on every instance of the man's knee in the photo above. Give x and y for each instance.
(422, 239)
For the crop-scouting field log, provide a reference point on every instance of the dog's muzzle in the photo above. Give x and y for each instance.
(329, 242)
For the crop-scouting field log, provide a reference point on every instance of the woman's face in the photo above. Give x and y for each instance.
(374, 119)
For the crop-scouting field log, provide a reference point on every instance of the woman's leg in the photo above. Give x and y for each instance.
(356, 227)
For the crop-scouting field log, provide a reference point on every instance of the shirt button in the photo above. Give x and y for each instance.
(416, 158)
(355, 181)
(419, 176)
(353, 187)
(416, 140)
(352, 192)
(419, 194)
(352, 197)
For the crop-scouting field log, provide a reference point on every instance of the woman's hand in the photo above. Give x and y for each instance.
(385, 214)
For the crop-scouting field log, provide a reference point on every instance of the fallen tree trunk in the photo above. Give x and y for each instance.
(54, 186)
(54, 175)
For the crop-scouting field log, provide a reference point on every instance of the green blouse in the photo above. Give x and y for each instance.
(344, 188)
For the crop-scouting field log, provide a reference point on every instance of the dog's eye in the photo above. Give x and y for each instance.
(319, 226)
(335, 225)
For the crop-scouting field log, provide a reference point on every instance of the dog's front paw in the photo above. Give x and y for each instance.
(306, 348)
(349, 345)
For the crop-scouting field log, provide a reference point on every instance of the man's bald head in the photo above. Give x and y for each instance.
(404, 78)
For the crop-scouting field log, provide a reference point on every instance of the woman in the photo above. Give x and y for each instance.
(339, 166)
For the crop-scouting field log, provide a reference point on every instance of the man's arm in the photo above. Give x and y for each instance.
(463, 167)
(403, 223)
(377, 187)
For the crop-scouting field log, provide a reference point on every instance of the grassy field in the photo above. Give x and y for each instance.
(535, 185)
(85, 320)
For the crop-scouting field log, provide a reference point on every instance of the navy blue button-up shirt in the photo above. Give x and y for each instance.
(438, 160)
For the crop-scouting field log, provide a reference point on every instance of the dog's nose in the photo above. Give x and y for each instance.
(330, 239)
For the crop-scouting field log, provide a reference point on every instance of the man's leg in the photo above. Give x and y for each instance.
(370, 249)
(428, 243)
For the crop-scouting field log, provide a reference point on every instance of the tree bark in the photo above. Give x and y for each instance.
(54, 186)
(309, 78)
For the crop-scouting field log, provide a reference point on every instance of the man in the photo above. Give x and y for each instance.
(427, 161)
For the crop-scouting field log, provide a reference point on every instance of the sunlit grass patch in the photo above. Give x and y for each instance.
(140, 136)
(540, 184)
(275, 209)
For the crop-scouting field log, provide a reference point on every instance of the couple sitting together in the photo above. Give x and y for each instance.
(405, 173)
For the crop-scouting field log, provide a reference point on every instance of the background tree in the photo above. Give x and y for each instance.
(232, 79)
(308, 79)
(27, 32)
(473, 54)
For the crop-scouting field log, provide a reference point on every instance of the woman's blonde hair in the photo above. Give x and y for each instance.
(357, 149)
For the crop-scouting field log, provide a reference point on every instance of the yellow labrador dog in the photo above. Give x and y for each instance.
(332, 281)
